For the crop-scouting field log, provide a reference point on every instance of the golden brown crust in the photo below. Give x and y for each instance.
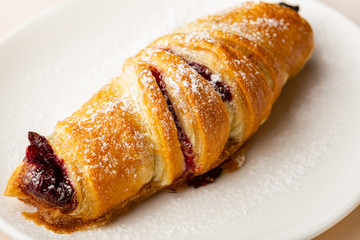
(280, 30)
(252, 95)
(113, 146)
(124, 144)
(13, 188)
(257, 54)
(161, 127)
(200, 110)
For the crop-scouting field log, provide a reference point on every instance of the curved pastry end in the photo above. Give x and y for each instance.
(42, 176)
(13, 186)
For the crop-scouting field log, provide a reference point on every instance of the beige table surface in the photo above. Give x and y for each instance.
(15, 12)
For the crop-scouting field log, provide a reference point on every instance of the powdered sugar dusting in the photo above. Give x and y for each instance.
(266, 29)
(182, 80)
(263, 28)
(309, 138)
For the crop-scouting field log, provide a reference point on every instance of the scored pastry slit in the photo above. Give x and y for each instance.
(218, 84)
(186, 91)
(254, 52)
(168, 156)
(232, 70)
(185, 143)
(257, 54)
(268, 29)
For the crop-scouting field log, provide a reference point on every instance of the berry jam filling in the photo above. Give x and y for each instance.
(206, 178)
(295, 8)
(186, 145)
(46, 176)
(222, 89)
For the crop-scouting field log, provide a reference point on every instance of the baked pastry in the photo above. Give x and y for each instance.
(181, 107)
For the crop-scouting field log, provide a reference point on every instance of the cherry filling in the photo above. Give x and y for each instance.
(222, 89)
(46, 177)
(206, 178)
(185, 143)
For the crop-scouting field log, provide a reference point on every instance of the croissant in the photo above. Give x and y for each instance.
(181, 106)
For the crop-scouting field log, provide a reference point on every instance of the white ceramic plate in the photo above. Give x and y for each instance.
(302, 174)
